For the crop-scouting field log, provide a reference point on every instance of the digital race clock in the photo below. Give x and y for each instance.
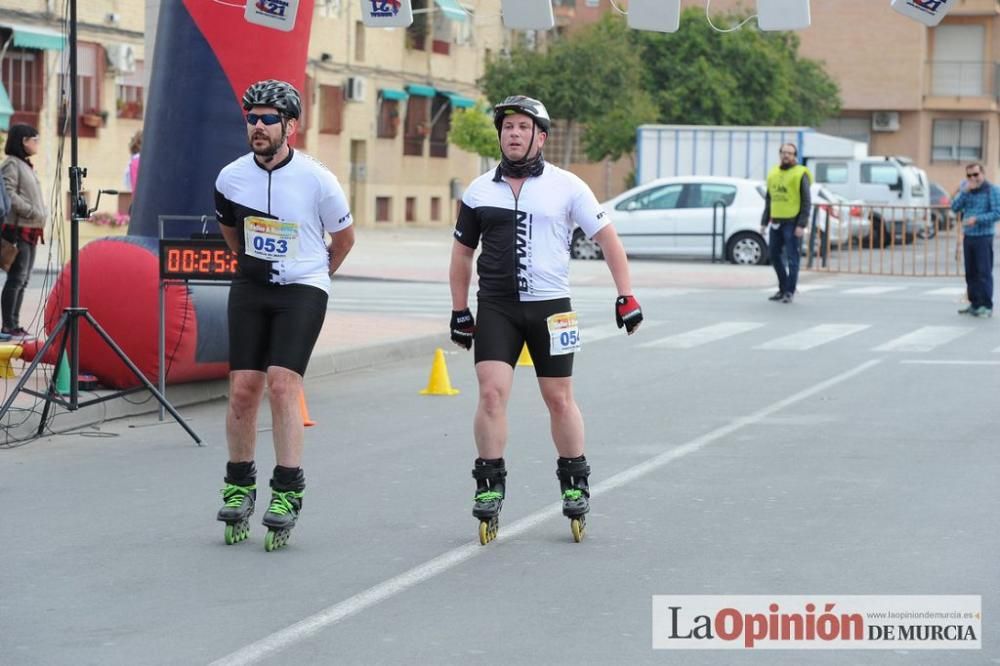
(196, 259)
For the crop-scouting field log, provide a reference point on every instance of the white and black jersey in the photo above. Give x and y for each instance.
(282, 216)
(526, 239)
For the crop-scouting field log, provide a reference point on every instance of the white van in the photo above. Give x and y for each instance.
(893, 187)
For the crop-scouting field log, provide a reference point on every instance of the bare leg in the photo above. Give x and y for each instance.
(490, 424)
(284, 388)
(246, 388)
(565, 418)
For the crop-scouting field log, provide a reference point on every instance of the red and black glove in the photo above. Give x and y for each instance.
(628, 313)
(463, 327)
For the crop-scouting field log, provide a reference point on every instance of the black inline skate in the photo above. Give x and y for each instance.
(238, 498)
(573, 474)
(489, 476)
(287, 488)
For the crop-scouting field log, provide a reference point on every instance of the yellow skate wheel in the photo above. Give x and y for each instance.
(484, 533)
(578, 527)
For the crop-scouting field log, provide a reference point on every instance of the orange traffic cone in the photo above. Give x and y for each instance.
(525, 357)
(306, 421)
(439, 384)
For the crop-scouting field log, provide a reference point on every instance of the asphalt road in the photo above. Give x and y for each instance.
(845, 444)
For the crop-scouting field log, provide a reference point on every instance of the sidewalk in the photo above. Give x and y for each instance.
(350, 341)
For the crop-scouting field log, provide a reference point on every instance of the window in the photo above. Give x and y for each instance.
(416, 33)
(705, 195)
(958, 67)
(23, 75)
(656, 198)
(957, 140)
(331, 101)
(411, 209)
(435, 209)
(129, 92)
(388, 118)
(359, 41)
(89, 76)
(831, 172)
(441, 114)
(880, 174)
(441, 40)
(383, 209)
(417, 117)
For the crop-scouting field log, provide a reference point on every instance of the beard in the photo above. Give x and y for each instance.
(272, 147)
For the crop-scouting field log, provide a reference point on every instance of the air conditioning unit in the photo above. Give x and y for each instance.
(121, 58)
(355, 88)
(885, 121)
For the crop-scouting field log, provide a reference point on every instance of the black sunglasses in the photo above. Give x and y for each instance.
(266, 118)
(973, 175)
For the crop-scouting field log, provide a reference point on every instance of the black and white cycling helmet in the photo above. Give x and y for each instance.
(521, 104)
(271, 92)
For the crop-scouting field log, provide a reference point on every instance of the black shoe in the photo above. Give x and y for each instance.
(787, 298)
(777, 296)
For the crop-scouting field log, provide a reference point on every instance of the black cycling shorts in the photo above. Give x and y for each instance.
(503, 328)
(274, 325)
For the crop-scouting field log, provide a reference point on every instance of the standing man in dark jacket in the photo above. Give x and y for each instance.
(979, 204)
(786, 212)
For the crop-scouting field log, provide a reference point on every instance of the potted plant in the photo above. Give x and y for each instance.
(94, 118)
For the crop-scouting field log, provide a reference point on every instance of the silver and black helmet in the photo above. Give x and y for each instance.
(271, 92)
(521, 104)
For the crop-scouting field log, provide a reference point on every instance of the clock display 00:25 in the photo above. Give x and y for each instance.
(199, 259)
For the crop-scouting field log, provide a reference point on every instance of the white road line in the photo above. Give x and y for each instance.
(923, 339)
(916, 362)
(813, 337)
(702, 336)
(376, 594)
(946, 291)
(873, 290)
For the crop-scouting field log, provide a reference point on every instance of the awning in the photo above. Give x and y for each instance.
(458, 101)
(37, 38)
(420, 91)
(390, 93)
(6, 109)
(452, 10)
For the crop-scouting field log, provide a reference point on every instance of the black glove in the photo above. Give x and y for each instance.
(463, 326)
(628, 313)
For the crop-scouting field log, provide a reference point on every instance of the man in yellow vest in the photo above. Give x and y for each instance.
(786, 213)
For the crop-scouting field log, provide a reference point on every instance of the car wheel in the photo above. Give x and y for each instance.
(583, 248)
(746, 248)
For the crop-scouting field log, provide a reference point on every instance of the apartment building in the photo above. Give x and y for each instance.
(377, 104)
(932, 94)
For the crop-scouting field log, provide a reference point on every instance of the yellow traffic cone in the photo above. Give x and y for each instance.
(525, 357)
(304, 410)
(439, 384)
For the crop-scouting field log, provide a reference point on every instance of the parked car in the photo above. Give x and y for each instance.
(848, 224)
(673, 217)
(941, 200)
(894, 189)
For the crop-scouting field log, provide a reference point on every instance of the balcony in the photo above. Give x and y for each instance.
(969, 86)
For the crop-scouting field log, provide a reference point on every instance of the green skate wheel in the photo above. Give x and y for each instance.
(578, 527)
(230, 534)
(269, 541)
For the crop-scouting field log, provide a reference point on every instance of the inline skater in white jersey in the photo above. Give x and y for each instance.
(523, 217)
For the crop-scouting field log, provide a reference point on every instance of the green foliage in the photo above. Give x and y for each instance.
(472, 130)
(611, 79)
(747, 77)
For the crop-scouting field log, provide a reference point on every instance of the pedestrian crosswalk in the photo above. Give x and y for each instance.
(776, 336)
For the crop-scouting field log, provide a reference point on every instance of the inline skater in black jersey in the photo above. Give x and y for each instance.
(276, 207)
(523, 215)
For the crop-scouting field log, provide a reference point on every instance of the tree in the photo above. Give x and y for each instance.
(591, 79)
(472, 130)
(747, 77)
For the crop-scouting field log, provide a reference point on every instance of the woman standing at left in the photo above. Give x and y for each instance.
(24, 224)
